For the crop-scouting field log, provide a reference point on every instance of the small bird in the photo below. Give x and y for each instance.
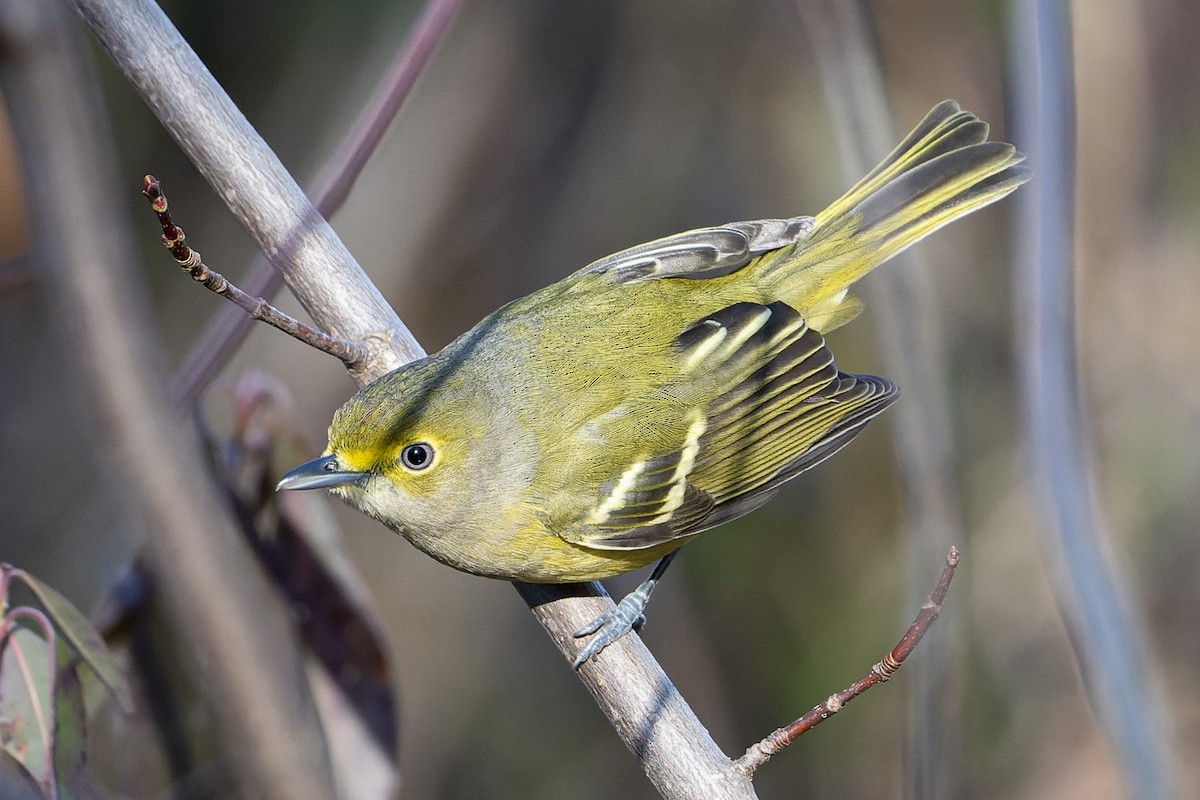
(598, 424)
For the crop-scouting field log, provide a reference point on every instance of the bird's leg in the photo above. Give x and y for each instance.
(619, 620)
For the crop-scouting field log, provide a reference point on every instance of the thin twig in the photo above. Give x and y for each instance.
(255, 307)
(356, 149)
(251, 181)
(905, 303)
(226, 330)
(758, 754)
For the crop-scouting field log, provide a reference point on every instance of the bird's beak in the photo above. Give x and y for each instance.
(320, 473)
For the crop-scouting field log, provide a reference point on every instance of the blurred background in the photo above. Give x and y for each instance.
(545, 135)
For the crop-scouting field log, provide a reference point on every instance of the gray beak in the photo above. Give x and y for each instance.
(320, 473)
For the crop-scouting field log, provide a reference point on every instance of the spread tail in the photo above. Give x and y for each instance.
(943, 169)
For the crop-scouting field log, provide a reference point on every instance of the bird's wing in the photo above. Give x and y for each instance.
(764, 402)
(702, 253)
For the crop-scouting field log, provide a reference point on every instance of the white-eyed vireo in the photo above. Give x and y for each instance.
(596, 425)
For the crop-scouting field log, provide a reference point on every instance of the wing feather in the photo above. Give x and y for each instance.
(766, 402)
(701, 253)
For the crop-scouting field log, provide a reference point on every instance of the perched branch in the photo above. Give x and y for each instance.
(226, 330)
(758, 754)
(174, 240)
(198, 113)
(250, 179)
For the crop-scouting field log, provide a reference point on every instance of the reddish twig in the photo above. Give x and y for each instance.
(224, 333)
(759, 753)
(256, 307)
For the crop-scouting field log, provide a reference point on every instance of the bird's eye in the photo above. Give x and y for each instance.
(417, 456)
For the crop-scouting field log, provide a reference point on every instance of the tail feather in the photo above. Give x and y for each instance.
(945, 168)
(925, 197)
(944, 129)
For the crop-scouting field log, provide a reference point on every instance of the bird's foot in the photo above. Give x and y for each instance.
(613, 624)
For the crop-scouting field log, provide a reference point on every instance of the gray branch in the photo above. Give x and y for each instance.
(632, 690)
(228, 615)
(251, 181)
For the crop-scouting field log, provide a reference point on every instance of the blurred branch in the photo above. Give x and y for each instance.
(630, 687)
(254, 307)
(236, 628)
(15, 276)
(759, 753)
(904, 302)
(227, 329)
(1092, 595)
(240, 166)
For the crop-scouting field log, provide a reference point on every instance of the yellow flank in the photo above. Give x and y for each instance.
(576, 564)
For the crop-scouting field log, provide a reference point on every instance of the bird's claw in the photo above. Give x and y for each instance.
(620, 619)
(610, 626)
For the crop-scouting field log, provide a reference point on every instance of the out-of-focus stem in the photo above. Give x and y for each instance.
(227, 329)
(1092, 594)
(637, 697)
(903, 301)
(227, 614)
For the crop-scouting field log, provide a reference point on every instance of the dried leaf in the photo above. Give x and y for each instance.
(336, 622)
